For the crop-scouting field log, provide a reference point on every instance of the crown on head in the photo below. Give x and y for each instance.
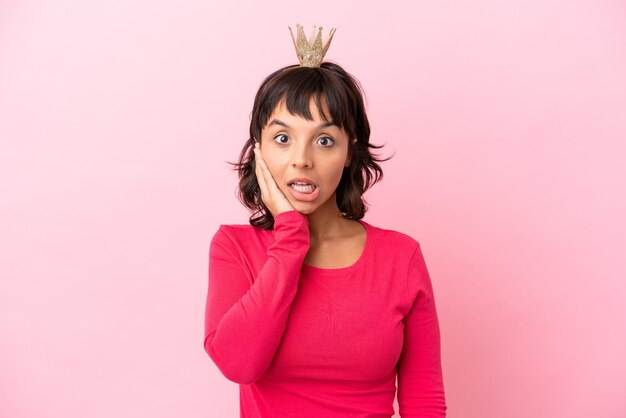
(311, 52)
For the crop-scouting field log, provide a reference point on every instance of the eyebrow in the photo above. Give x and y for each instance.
(321, 126)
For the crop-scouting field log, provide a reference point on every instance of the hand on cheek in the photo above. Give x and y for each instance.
(271, 195)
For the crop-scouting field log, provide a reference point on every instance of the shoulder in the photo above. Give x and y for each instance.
(235, 240)
(234, 230)
(239, 244)
(401, 252)
(394, 240)
(233, 234)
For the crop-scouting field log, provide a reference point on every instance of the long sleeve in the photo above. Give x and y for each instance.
(420, 380)
(244, 323)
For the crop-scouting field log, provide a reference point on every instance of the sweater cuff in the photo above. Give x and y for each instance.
(288, 217)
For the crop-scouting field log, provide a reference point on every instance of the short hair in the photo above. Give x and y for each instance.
(344, 99)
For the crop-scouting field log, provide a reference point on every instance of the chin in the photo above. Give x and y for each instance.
(306, 207)
(303, 207)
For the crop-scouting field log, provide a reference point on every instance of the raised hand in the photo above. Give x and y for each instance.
(271, 195)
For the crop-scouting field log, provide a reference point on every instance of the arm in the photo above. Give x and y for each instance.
(244, 324)
(420, 380)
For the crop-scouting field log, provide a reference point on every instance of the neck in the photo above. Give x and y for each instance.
(326, 222)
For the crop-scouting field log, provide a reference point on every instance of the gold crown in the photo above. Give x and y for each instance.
(311, 52)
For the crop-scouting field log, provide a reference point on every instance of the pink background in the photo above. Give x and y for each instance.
(508, 120)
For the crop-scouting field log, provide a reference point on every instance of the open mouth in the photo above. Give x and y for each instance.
(303, 187)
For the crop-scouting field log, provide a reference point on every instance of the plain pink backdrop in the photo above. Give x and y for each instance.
(508, 123)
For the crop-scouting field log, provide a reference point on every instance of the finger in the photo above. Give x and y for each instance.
(266, 171)
(272, 190)
(260, 175)
(273, 193)
(272, 187)
(262, 166)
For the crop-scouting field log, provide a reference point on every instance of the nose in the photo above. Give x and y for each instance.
(301, 156)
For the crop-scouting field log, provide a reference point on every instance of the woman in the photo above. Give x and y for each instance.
(313, 311)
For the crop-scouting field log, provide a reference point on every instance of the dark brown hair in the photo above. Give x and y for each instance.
(344, 99)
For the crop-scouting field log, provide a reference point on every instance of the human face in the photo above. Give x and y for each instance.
(293, 147)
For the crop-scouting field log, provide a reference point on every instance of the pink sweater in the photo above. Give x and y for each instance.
(303, 341)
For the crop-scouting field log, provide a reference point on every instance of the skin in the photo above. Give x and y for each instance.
(304, 150)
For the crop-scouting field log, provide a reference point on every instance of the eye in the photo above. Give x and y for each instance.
(279, 135)
(328, 138)
(325, 138)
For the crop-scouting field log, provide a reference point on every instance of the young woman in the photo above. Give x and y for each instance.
(312, 310)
